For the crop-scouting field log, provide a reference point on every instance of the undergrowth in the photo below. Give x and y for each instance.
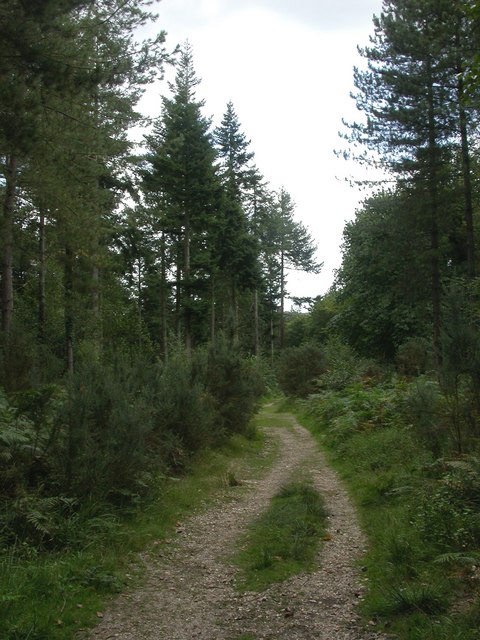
(284, 540)
(86, 467)
(50, 596)
(419, 502)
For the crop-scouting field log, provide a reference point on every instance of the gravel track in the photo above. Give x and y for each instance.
(188, 591)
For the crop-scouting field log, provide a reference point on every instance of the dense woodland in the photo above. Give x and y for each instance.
(129, 271)
(143, 283)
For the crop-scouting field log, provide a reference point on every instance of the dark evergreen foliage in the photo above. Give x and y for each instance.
(299, 368)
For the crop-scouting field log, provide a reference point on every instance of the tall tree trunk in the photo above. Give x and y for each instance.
(97, 212)
(139, 301)
(282, 300)
(256, 324)
(436, 284)
(178, 293)
(163, 301)
(96, 310)
(212, 311)
(466, 165)
(11, 173)
(434, 232)
(41, 277)
(187, 286)
(234, 315)
(272, 336)
(69, 314)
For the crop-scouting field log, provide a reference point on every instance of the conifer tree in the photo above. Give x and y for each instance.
(258, 204)
(232, 149)
(461, 56)
(236, 248)
(406, 95)
(286, 244)
(182, 178)
(75, 75)
(33, 58)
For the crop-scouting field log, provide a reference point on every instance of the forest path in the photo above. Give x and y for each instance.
(189, 588)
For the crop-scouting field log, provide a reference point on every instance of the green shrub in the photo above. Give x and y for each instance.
(343, 367)
(414, 357)
(110, 432)
(423, 407)
(105, 422)
(448, 513)
(234, 384)
(299, 368)
(183, 410)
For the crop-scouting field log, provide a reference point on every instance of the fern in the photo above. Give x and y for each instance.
(40, 522)
(45, 519)
(461, 558)
(470, 464)
(16, 432)
(13, 437)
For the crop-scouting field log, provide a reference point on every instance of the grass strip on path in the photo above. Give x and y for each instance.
(284, 540)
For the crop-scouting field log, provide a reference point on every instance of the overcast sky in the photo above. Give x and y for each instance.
(287, 66)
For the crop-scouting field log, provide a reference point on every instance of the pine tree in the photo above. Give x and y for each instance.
(78, 75)
(286, 244)
(232, 149)
(236, 247)
(407, 95)
(32, 59)
(258, 205)
(182, 178)
(461, 56)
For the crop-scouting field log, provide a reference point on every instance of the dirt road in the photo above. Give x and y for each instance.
(189, 589)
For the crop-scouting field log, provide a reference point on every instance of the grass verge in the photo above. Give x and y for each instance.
(417, 511)
(51, 596)
(284, 540)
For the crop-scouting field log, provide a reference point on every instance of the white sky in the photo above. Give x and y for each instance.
(287, 66)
